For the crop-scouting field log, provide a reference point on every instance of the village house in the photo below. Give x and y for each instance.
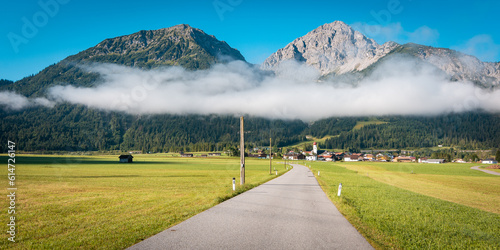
(294, 156)
(489, 161)
(326, 158)
(262, 156)
(422, 160)
(405, 159)
(436, 161)
(459, 161)
(353, 157)
(339, 156)
(311, 157)
(382, 157)
(186, 155)
(369, 157)
(125, 158)
(214, 154)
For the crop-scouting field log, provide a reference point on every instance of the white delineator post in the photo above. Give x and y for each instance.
(340, 189)
(234, 184)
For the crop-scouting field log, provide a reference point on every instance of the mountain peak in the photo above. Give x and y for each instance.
(332, 48)
(336, 49)
(181, 26)
(337, 25)
(184, 29)
(178, 45)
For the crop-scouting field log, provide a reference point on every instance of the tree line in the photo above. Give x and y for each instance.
(462, 131)
(77, 128)
(68, 127)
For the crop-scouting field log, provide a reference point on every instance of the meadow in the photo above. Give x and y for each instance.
(415, 206)
(371, 121)
(89, 202)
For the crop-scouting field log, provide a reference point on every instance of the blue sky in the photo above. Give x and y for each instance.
(36, 34)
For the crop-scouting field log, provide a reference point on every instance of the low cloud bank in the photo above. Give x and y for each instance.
(13, 101)
(398, 87)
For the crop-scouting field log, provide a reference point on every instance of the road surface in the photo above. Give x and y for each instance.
(485, 170)
(289, 212)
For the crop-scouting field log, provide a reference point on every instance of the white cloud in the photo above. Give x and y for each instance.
(396, 33)
(481, 46)
(397, 88)
(423, 35)
(13, 101)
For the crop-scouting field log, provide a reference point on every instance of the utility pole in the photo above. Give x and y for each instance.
(242, 153)
(285, 157)
(270, 155)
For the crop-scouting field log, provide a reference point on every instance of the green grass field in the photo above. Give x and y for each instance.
(483, 166)
(310, 138)
(89, 202)
(361, 124)
(414, 206)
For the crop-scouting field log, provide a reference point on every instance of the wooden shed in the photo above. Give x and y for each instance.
(126, 158)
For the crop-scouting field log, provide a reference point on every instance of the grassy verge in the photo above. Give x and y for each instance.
(452, 182)
(485, 167)
(392, 217)
(94, 202)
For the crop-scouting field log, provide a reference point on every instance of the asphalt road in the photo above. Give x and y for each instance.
(289, 212)
(485, 170)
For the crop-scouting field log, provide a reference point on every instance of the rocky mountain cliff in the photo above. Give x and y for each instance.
(180, 45)
(336, 49)
(332, 48)
(456, 65)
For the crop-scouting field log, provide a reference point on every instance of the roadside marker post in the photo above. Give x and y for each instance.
(234, 183)
(340, 189)
(318, 173)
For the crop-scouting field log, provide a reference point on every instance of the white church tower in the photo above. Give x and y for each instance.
(315, 149)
